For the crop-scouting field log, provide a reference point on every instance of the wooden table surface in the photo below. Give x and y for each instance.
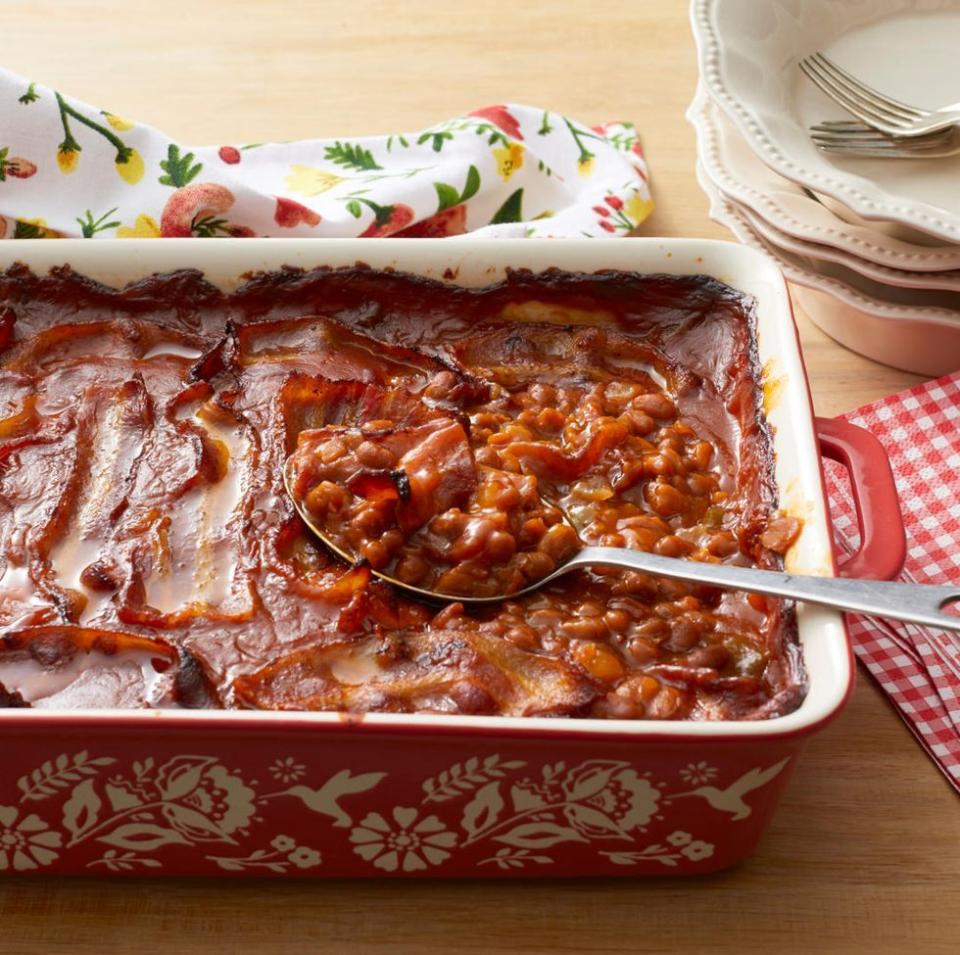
(865, 851)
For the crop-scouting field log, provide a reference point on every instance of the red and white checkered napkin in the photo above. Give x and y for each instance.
(918, 668)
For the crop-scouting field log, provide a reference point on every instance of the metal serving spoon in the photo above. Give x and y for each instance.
(914, 603)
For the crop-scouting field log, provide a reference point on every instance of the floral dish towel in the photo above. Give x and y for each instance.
(68, 169)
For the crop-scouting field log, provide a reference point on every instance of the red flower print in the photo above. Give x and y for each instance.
(289, 214)
(608, 225)
(388, 220)
(601, 210)
(15, 166)
(198, 210)
(229, 154)
(452, 221)
(502, 117)
(615, 202)
(21, 168)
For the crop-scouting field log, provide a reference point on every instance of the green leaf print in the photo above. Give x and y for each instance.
(436, 139)
(448, 196)
(351, 155)
(354, 208)
(179, 170)
(623, 141)
(209, 227)
(511, 210)
(3, 163)
(27, 230)
(472, 185)
(381, 213)
(90, 226)
(31, 95)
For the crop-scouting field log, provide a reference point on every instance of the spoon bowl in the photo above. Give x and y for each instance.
(914, 603)
(428, 595)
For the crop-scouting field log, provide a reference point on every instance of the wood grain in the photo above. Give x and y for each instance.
(865, 851)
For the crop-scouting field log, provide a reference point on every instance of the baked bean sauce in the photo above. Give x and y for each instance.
(413, 502)
(150, 556)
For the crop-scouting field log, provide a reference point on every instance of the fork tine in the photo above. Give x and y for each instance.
(863, 132)
(873, 153)
(857, 133)
(889, 152)
(812, 72)
(850, 101)
(877, 147)
(860, 130)
(844, 124)
(864, 94)
(866, 140)
(907, 111)
(855, 125)
(917, 142)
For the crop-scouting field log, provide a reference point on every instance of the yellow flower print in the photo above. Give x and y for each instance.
(130, 167)
(118, 122)
(585, 165)
(637, 208)
(145, 227)
(509, 160)
(310, 181)
(67, 158)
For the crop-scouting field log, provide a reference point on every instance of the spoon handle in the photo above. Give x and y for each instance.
(914, 603)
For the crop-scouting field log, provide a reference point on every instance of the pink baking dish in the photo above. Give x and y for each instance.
(157, 792)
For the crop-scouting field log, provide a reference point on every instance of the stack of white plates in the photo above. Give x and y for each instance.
(871, 247)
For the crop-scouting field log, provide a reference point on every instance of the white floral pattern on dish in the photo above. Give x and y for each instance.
(516, 810)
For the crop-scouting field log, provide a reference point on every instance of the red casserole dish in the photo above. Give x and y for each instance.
(261, 793)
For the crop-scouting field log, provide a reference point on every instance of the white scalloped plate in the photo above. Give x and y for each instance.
(748, 54)
(943, 282)
(918, 339)
(742, 177)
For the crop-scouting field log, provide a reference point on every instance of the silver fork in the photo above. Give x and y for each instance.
(878, 110)
(841, 137)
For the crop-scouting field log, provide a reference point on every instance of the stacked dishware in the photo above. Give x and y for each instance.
(863, 221)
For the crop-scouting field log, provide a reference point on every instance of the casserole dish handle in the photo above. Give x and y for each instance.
(883, 543)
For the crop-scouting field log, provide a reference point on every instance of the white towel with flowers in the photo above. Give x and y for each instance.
(70, 169)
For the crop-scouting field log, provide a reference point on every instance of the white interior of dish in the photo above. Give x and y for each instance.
(748, 58)
(478, 262)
